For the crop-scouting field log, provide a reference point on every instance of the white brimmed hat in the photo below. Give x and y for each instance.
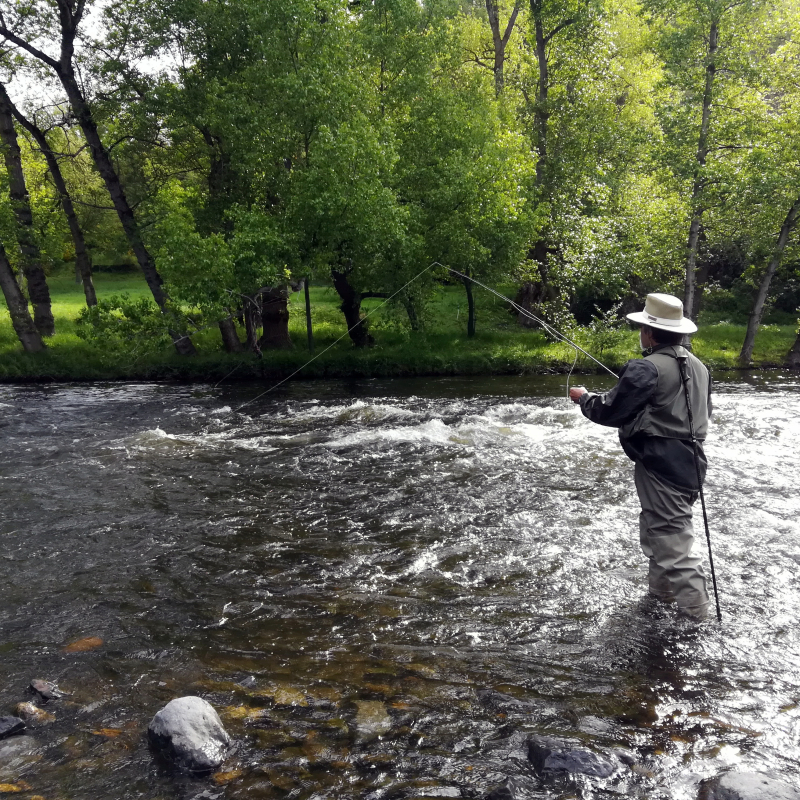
(665, 312)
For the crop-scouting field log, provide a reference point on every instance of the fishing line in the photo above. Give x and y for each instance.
(546, 325)
(556, 334)
(569, 374)
(346, 333)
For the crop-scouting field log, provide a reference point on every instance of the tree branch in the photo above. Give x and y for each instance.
(511, 21)
(473, 58)
(34, 51)
(558, 28)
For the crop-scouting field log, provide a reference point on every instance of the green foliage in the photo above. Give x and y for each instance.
(261, 141)
(607, 331)
(120, 322)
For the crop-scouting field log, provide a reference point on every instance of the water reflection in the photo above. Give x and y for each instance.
(457, 557)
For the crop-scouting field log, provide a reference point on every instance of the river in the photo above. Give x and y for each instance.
(410, 577)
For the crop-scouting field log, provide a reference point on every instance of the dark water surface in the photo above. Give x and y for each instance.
(418, 575)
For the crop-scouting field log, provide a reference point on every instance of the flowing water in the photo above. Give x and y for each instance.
(410, 577)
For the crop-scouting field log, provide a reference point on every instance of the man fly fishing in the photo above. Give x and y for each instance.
(661, 406)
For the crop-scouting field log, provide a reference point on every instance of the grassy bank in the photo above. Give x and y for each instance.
(499, 347)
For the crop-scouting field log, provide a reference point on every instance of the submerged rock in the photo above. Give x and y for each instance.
(16, 754)
(83, 645)
(550, 755)
(31, 713)
(372, 719)
(505, 791)
(751, 786)
(505, 703)
(9, 726)
(189, 732)
(12, 788)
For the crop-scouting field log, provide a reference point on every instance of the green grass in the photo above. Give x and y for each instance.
(500, 346)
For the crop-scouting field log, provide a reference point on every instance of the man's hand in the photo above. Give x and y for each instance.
(576, 392)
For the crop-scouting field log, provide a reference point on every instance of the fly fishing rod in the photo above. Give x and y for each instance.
(682, 364)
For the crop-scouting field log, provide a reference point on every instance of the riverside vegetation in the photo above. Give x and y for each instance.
(580, 154)
(499, 345)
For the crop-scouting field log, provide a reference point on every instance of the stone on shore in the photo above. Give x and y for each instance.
(751, 786)
(189, 732)
(9, 726)
(551, 756)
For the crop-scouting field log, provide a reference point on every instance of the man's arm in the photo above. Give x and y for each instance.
(614, 408)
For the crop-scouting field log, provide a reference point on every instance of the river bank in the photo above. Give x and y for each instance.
(500, 346)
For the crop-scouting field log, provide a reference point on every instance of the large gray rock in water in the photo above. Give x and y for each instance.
(10, 726)
(551, 756)
(188, 731)
(751, 786)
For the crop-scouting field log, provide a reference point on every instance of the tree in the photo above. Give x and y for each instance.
(21, 320)
(20, 31)
(83, 262)
(565, 107)
(32, 266)
(770, 172)
(494, 57)
(713, 53)
(746, 354)
(462, 180)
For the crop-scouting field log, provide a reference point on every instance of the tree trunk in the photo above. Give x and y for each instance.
(252, 322)
(413, 317)
(499, 41)
(698, 183)
(216, 221)
(351, 308)
(470, 308)
(793, 356)
(18, 307)
(275, 319)
(124, 211)
(230, 336)
(83, 262)
(746, 355)
(541, 113)
(32, 267)
(530, 296)
(309, 329)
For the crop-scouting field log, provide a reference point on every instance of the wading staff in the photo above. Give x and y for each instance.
(685, 378)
